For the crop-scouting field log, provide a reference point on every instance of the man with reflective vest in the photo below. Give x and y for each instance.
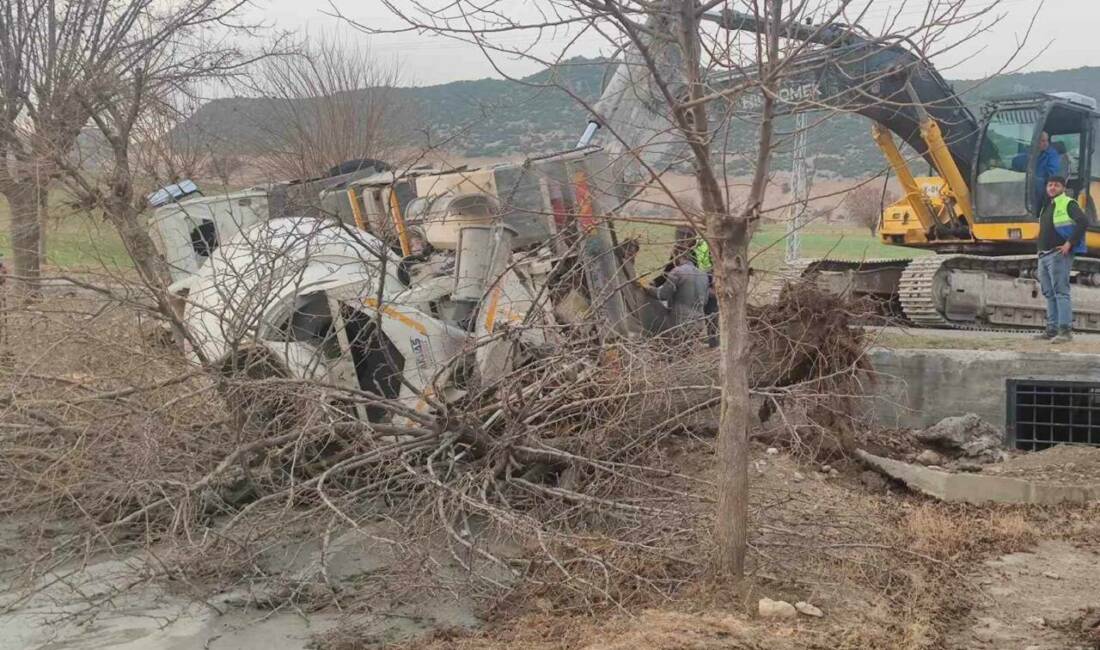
(1061, 236)
(701, 255)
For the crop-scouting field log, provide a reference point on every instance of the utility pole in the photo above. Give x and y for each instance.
(800, 188)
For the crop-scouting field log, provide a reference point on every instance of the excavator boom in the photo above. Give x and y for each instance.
(885, 82)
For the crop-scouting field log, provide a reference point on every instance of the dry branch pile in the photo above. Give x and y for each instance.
(556, 480)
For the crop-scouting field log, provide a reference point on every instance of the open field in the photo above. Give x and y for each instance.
(75, 240)
(768, 247)
(79, 241)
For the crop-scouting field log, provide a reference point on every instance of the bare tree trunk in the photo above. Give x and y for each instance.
(729, 237)
(43, 198)
(25, 234)
(131, 227)
(731, 282)
(131, 230)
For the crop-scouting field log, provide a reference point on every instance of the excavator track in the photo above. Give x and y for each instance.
(929, 284)
(972, 292)
(916, 292)
(874, 279)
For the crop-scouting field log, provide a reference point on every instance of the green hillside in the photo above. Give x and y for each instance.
(494, 117)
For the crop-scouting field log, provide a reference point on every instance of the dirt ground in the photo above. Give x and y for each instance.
(889, 569)
(1035, 600)
(898, 337)
(955, 577)
(1077, 465)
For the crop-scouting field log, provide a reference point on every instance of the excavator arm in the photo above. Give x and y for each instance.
(889, 84)
(884, 82)
(847, 71)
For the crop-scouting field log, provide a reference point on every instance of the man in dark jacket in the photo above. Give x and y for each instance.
(1061, 236)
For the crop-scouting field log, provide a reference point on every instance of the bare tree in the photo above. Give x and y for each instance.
(333, 102)
(19, 165)
(50, 53)
(165, 151)
(864, 205)
(144, 61)
(674, 57)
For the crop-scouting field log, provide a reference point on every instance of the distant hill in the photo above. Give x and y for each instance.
(485, 117)
(494, 117)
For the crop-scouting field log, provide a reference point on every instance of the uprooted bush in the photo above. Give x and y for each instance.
(811, 371)
(556, 479)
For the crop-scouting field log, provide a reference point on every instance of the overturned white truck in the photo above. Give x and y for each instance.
(418, 284)
(407, 286)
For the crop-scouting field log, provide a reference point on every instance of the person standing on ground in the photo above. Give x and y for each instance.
(1061, 236)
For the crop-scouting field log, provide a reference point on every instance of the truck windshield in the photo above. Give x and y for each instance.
(1003, 163)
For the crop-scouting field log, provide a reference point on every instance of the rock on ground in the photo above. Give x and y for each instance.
(769, 608)
(931, 457)
(968, 436)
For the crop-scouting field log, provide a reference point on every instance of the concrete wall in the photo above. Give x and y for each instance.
(917, 388)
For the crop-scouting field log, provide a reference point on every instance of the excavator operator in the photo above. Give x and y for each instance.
(1047, 165)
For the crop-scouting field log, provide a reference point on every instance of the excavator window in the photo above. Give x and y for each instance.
(1003, 160)
(1006, 185)
(1068, 129)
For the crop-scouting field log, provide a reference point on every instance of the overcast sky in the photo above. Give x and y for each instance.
(1064, 36)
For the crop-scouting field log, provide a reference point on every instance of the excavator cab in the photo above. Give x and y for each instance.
(1020, 135)
(978, 206)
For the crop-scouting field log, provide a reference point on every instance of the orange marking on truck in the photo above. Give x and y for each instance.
(491, 317)
(356, 211)
(393, 313)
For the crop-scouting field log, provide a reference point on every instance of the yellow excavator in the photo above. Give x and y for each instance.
(978, 205)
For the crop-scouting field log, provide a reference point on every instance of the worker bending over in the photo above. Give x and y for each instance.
(685, 289)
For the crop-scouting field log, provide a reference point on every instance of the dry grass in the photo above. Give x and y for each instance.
(951, 533)
(825, 541)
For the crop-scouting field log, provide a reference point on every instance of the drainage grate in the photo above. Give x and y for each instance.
(1042, 413)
